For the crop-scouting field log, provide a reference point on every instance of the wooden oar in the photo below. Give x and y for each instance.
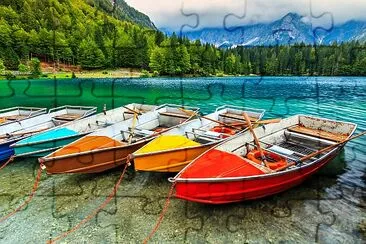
(190, 117)
(131, 110)
(132, 128)
(21, 134)
(246, 117)
(331, 147)
(321, 151)
(261, 122)
(222, 123)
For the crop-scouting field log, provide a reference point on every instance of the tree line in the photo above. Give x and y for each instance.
(76, 32)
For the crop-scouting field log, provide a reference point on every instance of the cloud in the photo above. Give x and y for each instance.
(167, 13)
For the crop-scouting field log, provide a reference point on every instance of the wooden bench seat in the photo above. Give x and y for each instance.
(67, 117)
(237, 117)
(318, 133)
(178, 115)
(13, 117)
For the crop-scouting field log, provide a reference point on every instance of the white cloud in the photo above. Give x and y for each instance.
(167, 13)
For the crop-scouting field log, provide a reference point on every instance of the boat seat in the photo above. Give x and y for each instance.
(141, 132)
(67, 117)
(177, 115)
(318, 133)
(13, 117)
(237, 117)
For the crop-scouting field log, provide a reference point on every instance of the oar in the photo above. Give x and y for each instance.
(321, 151)
(261, 122)
(22, 134)
(250, 127)
(132, 128)
(131, 110)
(190, 117)
(331, 147)
(221, 123)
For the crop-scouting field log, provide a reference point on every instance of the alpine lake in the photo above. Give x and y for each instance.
(330, 207)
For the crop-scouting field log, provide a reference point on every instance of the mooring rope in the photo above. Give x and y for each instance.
(35, 186)
(11, 159)
(95, 212)
(162, 214)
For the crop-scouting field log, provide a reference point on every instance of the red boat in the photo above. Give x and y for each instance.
(236, 170)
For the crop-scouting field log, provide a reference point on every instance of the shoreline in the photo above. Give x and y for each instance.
(136, 73)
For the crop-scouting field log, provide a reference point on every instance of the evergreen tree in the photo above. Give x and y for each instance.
(35, 67)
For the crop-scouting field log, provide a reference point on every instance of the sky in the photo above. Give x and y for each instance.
(167, 13)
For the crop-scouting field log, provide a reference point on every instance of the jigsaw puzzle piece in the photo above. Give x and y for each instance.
(234, 20)
(194, 17)
(322, 21)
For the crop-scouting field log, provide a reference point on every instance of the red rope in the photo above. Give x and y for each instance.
(95, 212)
(35, 186)
(162, 214)
(11, 159)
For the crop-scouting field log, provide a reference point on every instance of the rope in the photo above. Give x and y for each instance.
(11, 159)
(35, 186)
(162, 214)
(95, 212)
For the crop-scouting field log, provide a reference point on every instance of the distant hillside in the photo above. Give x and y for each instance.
(121, 10)
(90, 33)
(290, 29)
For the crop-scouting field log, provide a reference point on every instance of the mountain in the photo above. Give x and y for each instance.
(122, 11)
(291, 29)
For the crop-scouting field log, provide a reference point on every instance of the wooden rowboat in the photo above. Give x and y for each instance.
(15, 114)
(109, 147)
(171, 153)
(13, 132)
(224, 174)
(45, 142)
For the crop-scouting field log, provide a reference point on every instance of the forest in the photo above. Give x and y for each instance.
(81, 32)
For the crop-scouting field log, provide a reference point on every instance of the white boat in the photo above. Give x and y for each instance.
(109, 147)
(13, 132)
(14, 114)
(50, 140)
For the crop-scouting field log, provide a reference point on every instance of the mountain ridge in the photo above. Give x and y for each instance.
(290, 29)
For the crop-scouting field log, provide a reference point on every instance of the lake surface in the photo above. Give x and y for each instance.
(330, 207)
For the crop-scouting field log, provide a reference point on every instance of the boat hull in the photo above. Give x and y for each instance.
(236, 190)
(169, 160)
(91, 162)
(43, 148)
(6, 152)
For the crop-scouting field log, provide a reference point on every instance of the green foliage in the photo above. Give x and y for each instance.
(9, 76)
(2, 67)
(35, 67)
(23, 68)
(86, 33)
(145, 74)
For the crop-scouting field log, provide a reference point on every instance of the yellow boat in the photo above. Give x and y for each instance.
(171, 153)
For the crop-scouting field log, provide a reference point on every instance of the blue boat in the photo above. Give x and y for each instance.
(48, 141)
(11, 132)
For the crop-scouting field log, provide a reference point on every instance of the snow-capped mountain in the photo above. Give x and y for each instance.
(290, 29)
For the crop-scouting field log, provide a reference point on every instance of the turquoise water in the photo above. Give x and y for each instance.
(340, 188)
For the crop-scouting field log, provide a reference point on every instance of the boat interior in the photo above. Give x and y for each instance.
(167, 117)
(19, 113)
(65, 114)
(294, 141)
(110, 117)
(55, 117)
(212, 131)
